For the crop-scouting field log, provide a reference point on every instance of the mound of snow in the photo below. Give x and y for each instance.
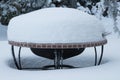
(55, 25)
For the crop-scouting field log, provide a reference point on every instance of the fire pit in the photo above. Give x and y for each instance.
(56, 33)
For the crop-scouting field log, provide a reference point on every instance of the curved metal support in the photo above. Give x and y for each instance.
(19, 58)
(14, 58)
(100, 59)
(102, 49)
(95, 56)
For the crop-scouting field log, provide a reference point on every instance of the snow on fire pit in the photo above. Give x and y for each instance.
(55, 25)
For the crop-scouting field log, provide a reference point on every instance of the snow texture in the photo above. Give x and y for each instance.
(55, 25)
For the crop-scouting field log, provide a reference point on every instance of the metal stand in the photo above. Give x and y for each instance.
(102, 49)
(14, 58)
(100, 59)
(58, 60)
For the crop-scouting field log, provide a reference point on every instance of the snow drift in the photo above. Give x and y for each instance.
(55, 25)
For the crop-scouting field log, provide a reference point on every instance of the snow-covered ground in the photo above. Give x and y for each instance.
(108, 70)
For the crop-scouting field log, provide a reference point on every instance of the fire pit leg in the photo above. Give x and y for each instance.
(95, 56)
(19, 58)
(61, 59)
(102, 49)
(14, 58)
(100, 59)
(57, 60)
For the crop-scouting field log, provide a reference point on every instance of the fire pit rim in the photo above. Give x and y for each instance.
(59, 45)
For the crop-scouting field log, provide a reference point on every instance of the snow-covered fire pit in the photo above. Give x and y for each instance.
(58, 29)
